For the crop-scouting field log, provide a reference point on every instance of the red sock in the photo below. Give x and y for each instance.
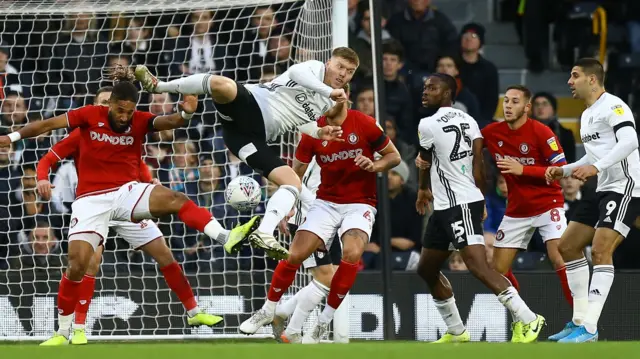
(282, 278)
(512, 278)
(86, 289)
(68, 295)
(193, 216)
(562, 273)
(179, 284)
(341, 283)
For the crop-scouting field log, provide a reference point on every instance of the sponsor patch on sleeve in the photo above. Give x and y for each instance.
(552, 143)
(618, 110)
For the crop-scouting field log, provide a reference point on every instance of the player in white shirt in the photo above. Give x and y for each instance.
(254, 114)
(451, 141)
(608, 132)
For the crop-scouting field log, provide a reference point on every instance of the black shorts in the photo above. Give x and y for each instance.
(608, 210)
(244, 132)
(455, 227)
(320, 258)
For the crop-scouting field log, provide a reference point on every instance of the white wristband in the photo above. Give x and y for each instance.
(186, 116)
(14, 136)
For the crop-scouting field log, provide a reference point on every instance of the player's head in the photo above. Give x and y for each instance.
(439, 90)
(102, 96)
(122, 102)
(341, 67)
(516, 103)
(587, 76)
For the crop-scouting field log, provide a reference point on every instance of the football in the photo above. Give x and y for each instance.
(243, 193)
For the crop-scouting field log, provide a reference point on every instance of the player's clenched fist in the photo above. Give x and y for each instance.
(5, 141)
(422, 164)
(44, 189)
(365, 163)
(423, 202)
(553, 173)
(189, 103)
(338, 95)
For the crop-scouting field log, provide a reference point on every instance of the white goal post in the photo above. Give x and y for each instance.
(58, 52)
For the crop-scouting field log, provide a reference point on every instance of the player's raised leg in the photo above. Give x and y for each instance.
(303, 245)
(431, 261)
(177, 281)
(571, 246)
(158, 201)
(87, 288)
(605, 241)
(354, 241)
(81, 248)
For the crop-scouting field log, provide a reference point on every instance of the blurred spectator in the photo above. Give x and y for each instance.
(198, 51)
(424, 32)
(118, 60)
(279, 53)
(465, 100)
(39, 248)
(139, 45)
(408, 152)
(398, 96)
(9, 175)
(545, 107)
(571, 189)
(456, 264)
(478, 74)
(365, 101)
(14, 112)
(496, 205)
(352, 9)
(406, 223)
(269, 73)
(9, 78)
(78, 56)
(361, 41)
(183, 174)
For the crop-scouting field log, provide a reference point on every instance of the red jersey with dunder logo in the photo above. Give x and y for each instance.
(341, 180)
(536, 147)
(107, 159)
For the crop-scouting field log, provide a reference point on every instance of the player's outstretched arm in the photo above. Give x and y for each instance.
(34, 129)
(169, 122)
(478, 164)
(307, 74)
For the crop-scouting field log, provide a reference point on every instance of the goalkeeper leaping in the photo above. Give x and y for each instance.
(255, 114)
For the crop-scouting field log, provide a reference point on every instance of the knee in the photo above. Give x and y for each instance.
(223, 85)
(353, 241)
(76, 268)
(93, 268)
(477, 266)
(600, 255)
(565, 250)
(297, 257)
(428, 274)
(323, 275)
(176, 200)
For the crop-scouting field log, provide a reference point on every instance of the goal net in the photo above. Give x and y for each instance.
(54, 55)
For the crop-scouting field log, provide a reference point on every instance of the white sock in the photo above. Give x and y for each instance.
(191, 85)
(578, 280)
(64, 324)
(449, 312)
(598, 292)
(327, 314)
(279, 206)
(512, 301)
(270, 306)
(341, 322)
(216, 232)
(285, 309)
(306, 304)
(193, 312)
(78, 326)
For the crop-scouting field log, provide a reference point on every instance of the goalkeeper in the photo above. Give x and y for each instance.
(255, 114)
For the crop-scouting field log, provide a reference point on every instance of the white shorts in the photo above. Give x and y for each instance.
(517, 232)
(96, 213)
(325, 218)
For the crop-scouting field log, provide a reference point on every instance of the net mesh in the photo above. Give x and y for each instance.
(53, 58)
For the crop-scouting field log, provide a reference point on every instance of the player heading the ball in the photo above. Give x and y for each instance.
(108, 187)
(608, 131)
(254, 114)
(452, 142)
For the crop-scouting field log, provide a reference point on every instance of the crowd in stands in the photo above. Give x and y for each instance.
(51, 64)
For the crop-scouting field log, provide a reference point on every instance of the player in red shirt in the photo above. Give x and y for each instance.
(345, 203)
(523, 148)
(108, 188)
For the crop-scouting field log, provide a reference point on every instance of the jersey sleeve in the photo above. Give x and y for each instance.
(620, 115)
(80, 116)
(67, 146)
(304, 151)
(146, 120)
(474, 131)
(550, 146)
(310, 74)
(425, 134)
(375, 135)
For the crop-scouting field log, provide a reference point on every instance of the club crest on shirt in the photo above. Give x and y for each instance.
(353, 138)
(500, 143)
(524, 148)
(325, 143)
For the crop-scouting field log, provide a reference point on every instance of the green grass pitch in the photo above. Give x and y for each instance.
(360, 350)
